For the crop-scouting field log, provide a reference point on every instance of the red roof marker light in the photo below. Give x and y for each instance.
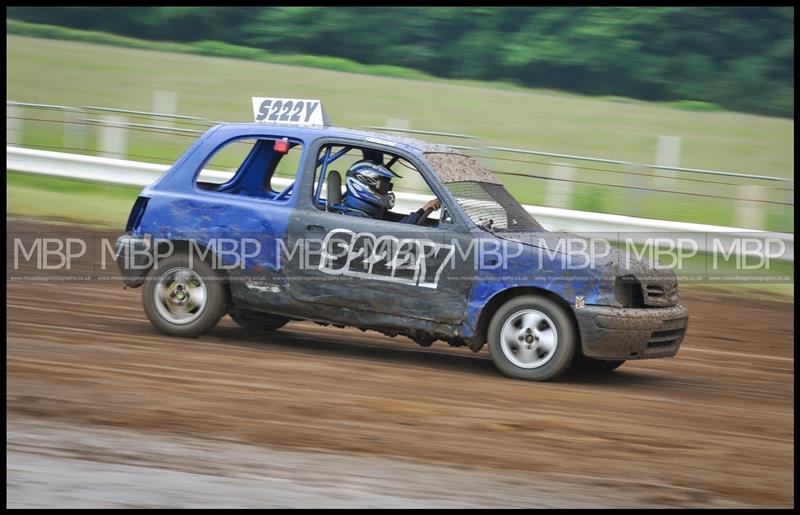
(282, 146)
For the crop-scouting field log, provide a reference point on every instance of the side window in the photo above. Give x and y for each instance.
(255, 167)
(224, 163)
(414, 186)
(408, 186)
(284, 170)
(343, 157)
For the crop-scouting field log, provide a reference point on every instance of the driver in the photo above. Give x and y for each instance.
(368, 193)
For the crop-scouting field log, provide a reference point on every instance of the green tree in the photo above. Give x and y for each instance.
(739, 57)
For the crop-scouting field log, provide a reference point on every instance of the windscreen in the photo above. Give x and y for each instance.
(492, 207)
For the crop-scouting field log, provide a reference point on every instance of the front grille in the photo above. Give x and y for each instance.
(665, 338)
(660, 295)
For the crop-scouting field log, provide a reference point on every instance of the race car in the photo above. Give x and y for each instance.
(285, 236)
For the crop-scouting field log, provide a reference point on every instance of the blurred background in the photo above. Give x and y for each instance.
(673, 113)
(678, 114)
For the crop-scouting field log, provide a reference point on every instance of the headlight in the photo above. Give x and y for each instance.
(629, 292)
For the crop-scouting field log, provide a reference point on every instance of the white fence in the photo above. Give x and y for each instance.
(565, 181)
(134, 173)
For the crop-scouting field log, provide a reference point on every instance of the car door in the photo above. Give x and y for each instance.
(375, 265)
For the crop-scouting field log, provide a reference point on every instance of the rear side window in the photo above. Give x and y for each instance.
(225, 162)
(252, 167)
(285, 170)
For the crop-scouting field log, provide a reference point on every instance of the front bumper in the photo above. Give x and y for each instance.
(133, 259)
(624, 333)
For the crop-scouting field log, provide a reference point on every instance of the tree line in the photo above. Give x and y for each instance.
(741, 58)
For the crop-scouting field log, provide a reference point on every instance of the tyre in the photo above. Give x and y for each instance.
(183, 298)
(597, 365)
(532, 337)
(252, 321)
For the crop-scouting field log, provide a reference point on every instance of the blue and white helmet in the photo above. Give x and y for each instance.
(368, 188)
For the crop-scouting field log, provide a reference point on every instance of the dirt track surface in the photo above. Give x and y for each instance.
(711, 427)
(53, 463)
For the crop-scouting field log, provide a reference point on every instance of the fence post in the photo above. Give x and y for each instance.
(398, 123)
(74, 129)
(558, 191)
(668, 153)
(631, 200)
(113, 137)
(13, 124)
(750, 214)
(165, 102)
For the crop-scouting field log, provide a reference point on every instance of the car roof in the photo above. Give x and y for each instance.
(311, 133)
(449, 162)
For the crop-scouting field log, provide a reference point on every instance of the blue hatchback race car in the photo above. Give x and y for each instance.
(306, 224)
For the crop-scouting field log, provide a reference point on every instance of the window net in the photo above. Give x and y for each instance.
(491, 206)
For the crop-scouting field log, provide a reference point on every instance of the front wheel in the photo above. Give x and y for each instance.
(531, 337)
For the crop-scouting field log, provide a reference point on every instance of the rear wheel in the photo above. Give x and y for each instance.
(183, 297)
(531, 337)
(258, 322)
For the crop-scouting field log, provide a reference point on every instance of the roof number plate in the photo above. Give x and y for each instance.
(288, 111)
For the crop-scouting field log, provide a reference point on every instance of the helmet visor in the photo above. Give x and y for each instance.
(383, 185)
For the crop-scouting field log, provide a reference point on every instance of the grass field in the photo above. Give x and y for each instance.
(97, 205)
(73, 73)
